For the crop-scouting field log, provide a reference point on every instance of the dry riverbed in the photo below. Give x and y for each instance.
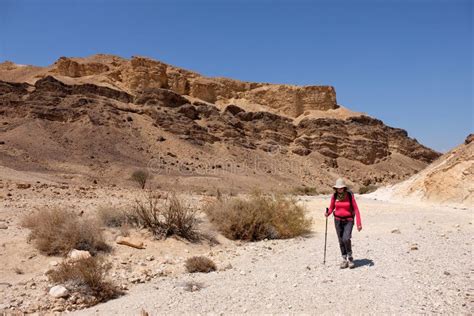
(410, 259)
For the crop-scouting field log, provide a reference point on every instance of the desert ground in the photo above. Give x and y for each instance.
(73, 134)
(410, 259)
(288, 276)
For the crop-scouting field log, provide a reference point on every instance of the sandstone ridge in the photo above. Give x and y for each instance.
(85, 123)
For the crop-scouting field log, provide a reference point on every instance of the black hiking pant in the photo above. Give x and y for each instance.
(344, 234)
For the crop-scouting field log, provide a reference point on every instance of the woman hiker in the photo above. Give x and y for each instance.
(345, 209)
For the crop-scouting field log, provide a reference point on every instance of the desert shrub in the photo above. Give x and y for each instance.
(367, 189)
(200, 264)
(259, 217)
(115, 217)
(304, 190)
(86, 276)
(124, 230)
(141, 177)
(166, 218)
(56, 232)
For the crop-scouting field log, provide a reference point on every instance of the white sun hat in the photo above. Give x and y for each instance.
(340, 184)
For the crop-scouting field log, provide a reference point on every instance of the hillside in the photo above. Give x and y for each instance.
(97, 119)
(448, 180)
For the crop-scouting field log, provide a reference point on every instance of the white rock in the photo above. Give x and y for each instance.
(58, 291)
(150, 258)
(75, 254)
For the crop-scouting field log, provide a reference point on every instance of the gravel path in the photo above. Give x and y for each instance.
(287, 276)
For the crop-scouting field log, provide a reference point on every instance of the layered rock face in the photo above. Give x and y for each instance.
(138, 74)
(118, 111)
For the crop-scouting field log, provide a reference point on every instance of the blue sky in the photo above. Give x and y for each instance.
(408, 63)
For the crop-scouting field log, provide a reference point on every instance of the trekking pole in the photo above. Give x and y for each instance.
(325, 236)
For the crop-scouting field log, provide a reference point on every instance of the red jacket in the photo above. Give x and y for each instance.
(342, 209)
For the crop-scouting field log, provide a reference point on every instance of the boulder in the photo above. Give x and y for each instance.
(58, 291)
(75, 255)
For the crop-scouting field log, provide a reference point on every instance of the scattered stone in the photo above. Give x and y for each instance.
(4, 285)
(58, 291)
(446, 273)
(23, 185)
(396, 231)
(414, 247)
(242, 272)
(150, 258)
(53, 263)
(131, 242)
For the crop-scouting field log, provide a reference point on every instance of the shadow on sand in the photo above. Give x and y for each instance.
(363, 262)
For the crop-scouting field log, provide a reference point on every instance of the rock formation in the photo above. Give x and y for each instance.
(102, 115)
(447, 180)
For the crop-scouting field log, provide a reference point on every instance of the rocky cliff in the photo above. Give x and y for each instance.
(126, 113)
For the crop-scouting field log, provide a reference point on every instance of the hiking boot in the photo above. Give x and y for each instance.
(344, 264)
(351, 263)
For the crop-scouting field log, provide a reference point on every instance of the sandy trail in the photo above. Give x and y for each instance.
(288, 276)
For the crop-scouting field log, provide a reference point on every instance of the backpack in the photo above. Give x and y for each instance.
(351, 208)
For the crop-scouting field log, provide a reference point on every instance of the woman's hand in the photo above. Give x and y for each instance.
(359, 228)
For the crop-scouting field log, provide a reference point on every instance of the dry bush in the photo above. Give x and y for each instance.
(141, 177)
(166, 218)
(304, 190)
(86, 276)
(56, 232)
(124, 230)
(115, 217)
(367, 189)
(259, 217)
(200, 264)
